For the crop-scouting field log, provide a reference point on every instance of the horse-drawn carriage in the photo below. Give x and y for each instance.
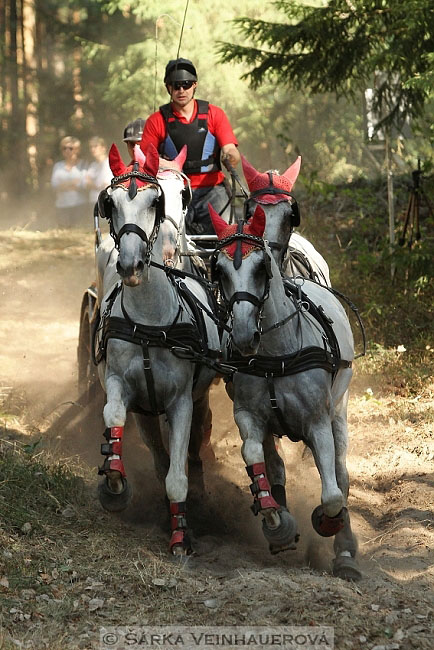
(160, 331)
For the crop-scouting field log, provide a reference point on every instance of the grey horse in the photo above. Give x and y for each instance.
(294, 254)
(292, 347)
(151, 328)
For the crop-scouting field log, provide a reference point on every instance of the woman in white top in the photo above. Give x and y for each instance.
(68, 180)
(99, 173)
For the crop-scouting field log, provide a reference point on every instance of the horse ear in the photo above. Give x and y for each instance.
(181, 158)
(292, 172)
(115, 161)
(219, 224)
(139, 156)
(257, 222)
(252, 176)
(152, 160)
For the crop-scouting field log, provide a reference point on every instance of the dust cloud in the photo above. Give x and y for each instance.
(45, 274)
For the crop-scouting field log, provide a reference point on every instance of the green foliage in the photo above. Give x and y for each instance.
(348, 224)
(341, 47)
(117, 50)
(408, 371)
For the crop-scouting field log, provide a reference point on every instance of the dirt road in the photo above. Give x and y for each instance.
(232, 580)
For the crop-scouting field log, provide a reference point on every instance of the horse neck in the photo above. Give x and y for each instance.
(277, 307)
(154, 301)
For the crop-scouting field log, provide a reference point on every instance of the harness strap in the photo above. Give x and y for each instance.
(243, 295)
(289, 364)
(277, 411)
(149, 377)
(281, 322)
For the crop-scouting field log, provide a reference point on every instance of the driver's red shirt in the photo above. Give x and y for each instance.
(219, 126)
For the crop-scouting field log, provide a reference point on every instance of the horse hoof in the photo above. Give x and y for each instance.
(346, 568)
(180, 551)
(114, 501)
(180, 544)
(327, 526)
(285, 536)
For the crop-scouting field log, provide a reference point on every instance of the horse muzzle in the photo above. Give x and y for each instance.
(131, 274)
(246, 335)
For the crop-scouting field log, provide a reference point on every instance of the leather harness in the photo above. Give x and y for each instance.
(185, 340)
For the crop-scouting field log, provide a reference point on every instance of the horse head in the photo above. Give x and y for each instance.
(242, 267)
(273, 191)
(177, 196)
(134, 207)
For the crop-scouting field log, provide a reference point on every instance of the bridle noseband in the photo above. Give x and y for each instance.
(105, 208)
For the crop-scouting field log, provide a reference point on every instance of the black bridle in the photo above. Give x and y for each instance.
(105, 208)
(272, 189)
(239, 296)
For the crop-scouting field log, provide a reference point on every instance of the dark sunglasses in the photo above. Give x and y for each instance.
(186, 85)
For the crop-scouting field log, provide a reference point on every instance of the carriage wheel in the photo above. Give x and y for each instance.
(88, 382)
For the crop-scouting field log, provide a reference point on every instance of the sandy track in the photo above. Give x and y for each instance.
(43, 277)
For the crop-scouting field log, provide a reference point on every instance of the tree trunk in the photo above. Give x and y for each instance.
(31, 88)
(391, 203)
(17, 136)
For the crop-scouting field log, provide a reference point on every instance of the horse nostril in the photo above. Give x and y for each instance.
(140, 266)
(256, 339)
(119, 268)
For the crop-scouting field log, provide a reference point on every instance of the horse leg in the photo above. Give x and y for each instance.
(345, 547)
(276, 474)
(275, 470)
(199, 447)
(150, 432)
(114, 491)
(179, 416)
(331, 517)
(321, 442)
(278, 525)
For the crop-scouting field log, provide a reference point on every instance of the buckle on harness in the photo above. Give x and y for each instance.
(105, 449)
(146, 364)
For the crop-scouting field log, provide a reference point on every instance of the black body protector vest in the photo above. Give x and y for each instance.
(203, 151)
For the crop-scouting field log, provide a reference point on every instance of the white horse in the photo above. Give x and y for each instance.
(294, 254)
(150, 329)
(177, 192)
(292, 346)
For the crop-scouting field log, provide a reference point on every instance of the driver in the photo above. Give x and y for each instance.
(209, 137)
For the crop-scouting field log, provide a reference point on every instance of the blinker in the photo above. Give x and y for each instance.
(105, 205)
(295, 215)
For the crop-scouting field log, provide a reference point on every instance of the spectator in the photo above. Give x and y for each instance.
(99, 173)
(68, 180)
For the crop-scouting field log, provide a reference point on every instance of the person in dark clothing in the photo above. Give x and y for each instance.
(133, 134)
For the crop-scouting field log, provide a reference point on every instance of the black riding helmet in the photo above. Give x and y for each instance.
(134, 130)
(180, 70)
